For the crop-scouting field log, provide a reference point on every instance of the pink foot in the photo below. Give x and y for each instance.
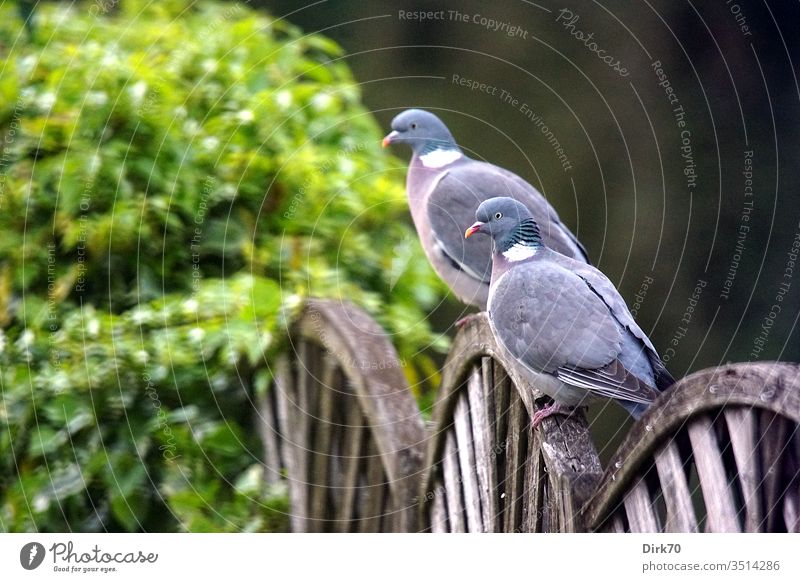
(465, 320)
(550, 410)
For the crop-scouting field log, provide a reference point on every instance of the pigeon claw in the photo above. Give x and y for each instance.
(550, 410)
(465, 320)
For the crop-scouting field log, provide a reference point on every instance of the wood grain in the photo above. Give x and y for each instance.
(479, 394)
(452, 485)
(742, 429)
(675, 488)
(721, 512)
(466, 459)
(639, 507)
(345, 426)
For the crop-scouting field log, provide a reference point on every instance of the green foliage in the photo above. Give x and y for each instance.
(173, 183)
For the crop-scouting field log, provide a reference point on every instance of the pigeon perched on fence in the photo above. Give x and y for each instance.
(562, 319)
(444, 189)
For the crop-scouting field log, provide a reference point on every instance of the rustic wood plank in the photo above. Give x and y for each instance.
(759, 385)
(388, 522)
(741, 385)
(301, 418)
(675, 488)
(495, 395)
(466, 459)
(268, 430)
(438, 510)
(791, 511)
(502, 395)
(338, 429)
(482, 437)
(639, 509)
(320, 478)
(452, 483)
(531, 484)
(372, 500)
(353, 448)
(488, 389)
(569, 499)
(475, 341)
(539, 519)
(510, 443)
(721, 511)
(573, 469)
(286, 395)
(774, 432)
(616, 525)
(515, 469)
(560, 504)
(375, 373)
(791, 508)
(280, 430)
(549, 517)
(742, 430)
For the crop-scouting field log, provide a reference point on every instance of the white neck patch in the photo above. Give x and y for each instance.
(439, 158)
(519, 252)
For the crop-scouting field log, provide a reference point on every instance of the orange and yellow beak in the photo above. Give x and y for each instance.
(473, 229)
(387, 141)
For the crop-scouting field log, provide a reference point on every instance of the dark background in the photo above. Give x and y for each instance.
(626, 195)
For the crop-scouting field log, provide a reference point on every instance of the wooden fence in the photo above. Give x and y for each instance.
(719, 451)
(342, 426)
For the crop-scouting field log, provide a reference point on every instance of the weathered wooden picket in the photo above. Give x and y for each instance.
(486, 469)
(719, 451)
(342, 426)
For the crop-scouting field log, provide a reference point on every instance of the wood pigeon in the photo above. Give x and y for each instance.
(444, 189)
(562, 319)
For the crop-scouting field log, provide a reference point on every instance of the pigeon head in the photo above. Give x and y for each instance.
(422, 130)
(508, 222)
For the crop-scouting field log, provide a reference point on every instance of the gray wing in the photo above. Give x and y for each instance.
(553, 322)
(451, 209)
(612, 381)
(605, 289)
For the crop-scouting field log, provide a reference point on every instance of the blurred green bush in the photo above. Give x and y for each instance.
(174, 180)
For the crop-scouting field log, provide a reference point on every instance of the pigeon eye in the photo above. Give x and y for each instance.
(413, 126)
(498, 216)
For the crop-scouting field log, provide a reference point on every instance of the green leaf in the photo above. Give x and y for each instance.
(171, 194)
(64, 483)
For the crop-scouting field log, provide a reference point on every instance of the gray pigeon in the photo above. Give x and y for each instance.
(444, 189)
(563, 320)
